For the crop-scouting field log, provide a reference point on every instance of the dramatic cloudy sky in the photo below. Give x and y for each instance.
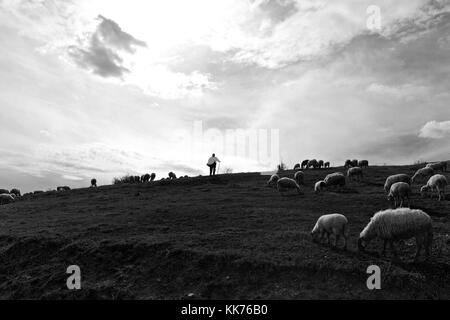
(101, 88)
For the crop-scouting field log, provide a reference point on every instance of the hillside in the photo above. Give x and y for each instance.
(227, 237)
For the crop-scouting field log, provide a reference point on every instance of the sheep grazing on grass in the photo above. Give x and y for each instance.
(65, 188)
(94, 183)
(363, 163)
(297, 166)
(320, 164)
(145, 178)
(273, 180)
(299, 176)
(422, 174)
(398, 193)
(15, 192)
(285, 184)
(399, 224)
(172, 176)
(396, 178)
(355, 173)
(305, 164)
(313, 164)
(335, 179)
(331, 224)
(437, 182)
(4, 191)
(6, 198)
(152, 177)
(319, 186)
(326, 165)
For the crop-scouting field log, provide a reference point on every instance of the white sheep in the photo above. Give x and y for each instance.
(437, 182)
(6, 198)
(299, 177)
(319, 186)
(396, 178)
(335, 224)
(442, 166)
(285, 184)
(399, 192)
(422, 174)
(355, 173)
(396, 224)
(273, 180)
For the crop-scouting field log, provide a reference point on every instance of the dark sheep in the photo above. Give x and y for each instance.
(172, 176)
(152, 177)
(94, 183)
(297, 166)
(304, 164)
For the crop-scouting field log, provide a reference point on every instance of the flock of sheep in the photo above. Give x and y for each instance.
(389, 225)
(7, 197)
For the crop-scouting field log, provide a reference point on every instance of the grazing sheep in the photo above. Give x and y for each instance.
(363, 163)
(422, 174)
(437, 182)
(313, 164)
(65, 188)
(305, 164)
(334, 179)
(355, 173)
(398, 193)
(319, 186)
(297, 166)
(393, 225)
(396, 178)
(152, 177)
(298, 176)
(15, 192)
(348, 163)
(438, 166)
(326, 165)
(172, 176)
(285, 184)
(335, 224)
(320, 164)
(6, 198)
(354, 163)
(273, 180)
(4, 191)
(94, 183)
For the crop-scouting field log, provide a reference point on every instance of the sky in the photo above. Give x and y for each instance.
(103, 88)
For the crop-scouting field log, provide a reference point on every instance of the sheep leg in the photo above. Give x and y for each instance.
(419, 242)
(336, 240)
(393, 250)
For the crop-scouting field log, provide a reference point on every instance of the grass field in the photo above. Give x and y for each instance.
(228, 237)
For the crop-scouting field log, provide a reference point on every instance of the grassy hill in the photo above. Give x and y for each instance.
(211, 238)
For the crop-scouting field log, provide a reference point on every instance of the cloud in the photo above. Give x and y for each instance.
(406, 91)
(101, 51)
(435, 130)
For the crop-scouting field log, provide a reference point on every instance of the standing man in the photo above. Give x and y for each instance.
(212, 163)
